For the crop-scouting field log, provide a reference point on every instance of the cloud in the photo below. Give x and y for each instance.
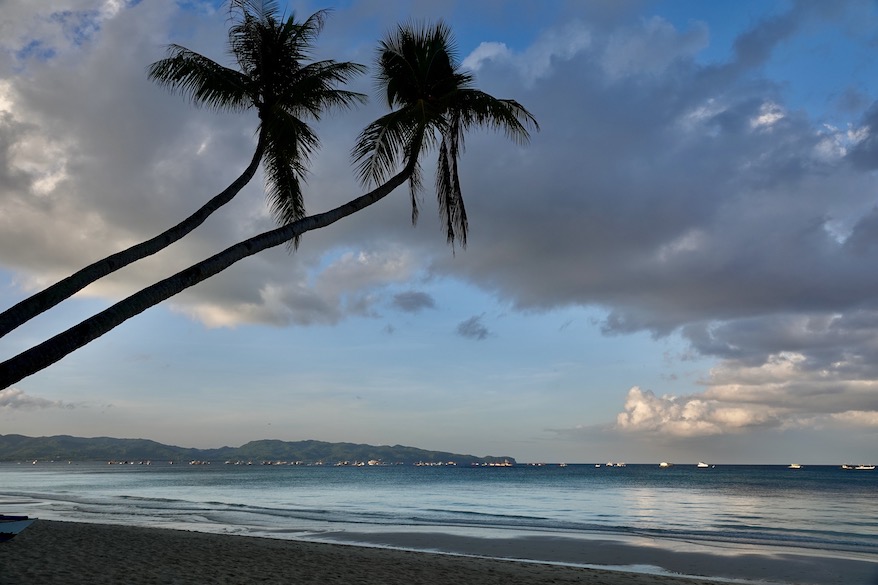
(473, 328)
(651, 48)
(15, 399)
(413, 301)
(786, 391)
(676, 196)
(688, 416)
(537, 61)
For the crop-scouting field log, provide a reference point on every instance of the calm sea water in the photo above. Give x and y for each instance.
(825, 508)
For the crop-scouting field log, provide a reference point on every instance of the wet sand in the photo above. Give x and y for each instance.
(67, 553)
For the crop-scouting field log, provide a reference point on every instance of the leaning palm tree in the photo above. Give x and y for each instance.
(275, 78)
(435, 103)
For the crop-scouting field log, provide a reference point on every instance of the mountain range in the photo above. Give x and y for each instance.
(68, 448)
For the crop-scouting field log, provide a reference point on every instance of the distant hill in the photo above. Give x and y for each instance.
(67, 448)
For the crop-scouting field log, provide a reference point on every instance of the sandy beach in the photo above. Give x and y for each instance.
(67, 553)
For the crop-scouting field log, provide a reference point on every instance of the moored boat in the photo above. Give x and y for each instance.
(12, 525)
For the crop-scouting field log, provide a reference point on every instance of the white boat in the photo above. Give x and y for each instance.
(702, 464)
(665, 464)
(795, 466)
(12, 525)
(865, 467)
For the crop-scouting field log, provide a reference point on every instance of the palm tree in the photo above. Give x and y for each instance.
(274, 78)
(435, 103)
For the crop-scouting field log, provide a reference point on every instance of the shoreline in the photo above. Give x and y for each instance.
(720, 563)
(72, 553)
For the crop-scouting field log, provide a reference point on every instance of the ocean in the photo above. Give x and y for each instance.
(823, 510)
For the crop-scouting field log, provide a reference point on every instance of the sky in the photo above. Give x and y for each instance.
(679, 266)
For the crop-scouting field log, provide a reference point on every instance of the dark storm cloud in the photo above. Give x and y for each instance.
(473, 328)
(413, 301)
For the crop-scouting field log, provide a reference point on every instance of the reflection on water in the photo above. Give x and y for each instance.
(824, 508)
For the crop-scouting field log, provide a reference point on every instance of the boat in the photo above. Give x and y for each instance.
(702, 464)
(795, 466)
(12, 525)
(864, 467)
(665, 464)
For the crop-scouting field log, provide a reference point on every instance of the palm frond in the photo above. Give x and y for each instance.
(289, 146)
(383, 143)
(240, 8)
(452, 211)
(303, 35)
(478, 108)
(206, 82)
(313, 88)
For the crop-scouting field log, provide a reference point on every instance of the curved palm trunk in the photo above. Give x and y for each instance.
(46, 299)
(52, 350)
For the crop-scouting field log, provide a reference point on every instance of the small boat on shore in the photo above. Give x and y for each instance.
(12, 525)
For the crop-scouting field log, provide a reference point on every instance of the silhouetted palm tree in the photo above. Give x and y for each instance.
(273, 77)
(435, 104)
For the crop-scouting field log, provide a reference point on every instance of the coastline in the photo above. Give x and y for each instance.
(714, 563)
(72, 553)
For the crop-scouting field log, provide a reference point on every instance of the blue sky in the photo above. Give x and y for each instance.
(679, 266)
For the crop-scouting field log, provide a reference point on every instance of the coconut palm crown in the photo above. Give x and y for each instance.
(275, 77)
(433, 103)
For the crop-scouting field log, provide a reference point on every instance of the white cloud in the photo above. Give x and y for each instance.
(537, 61)
(689, 416)
(15, 399)
(486, 51)
(785, 391)
(769, 114)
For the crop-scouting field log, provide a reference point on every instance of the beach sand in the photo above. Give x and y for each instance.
(67, 553)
